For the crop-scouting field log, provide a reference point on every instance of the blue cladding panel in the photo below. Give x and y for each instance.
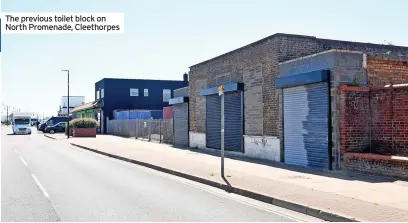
(213, 120)
(306, 125)
(139, 115)
(302, 79)
(122, 115)
(156, 114)
(233, 122)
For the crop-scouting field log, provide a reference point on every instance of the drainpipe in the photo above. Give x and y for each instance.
(329, 122)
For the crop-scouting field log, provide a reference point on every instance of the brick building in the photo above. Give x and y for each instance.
(249, 74)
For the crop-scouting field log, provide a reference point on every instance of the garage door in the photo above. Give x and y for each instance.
(233, 121)
(213, 121)
(180, 118)
(306, 125)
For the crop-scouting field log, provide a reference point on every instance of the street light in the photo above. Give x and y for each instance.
(69, 133)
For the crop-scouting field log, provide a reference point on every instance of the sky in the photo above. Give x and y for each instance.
(162, 39)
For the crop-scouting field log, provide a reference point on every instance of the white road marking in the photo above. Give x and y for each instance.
(16, 151)
(40, 186)
(21, 158)
(298, 217)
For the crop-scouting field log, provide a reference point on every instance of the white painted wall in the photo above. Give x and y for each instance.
(197, 140)
(262, 147)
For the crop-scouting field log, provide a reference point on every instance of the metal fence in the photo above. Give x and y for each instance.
(149, 129)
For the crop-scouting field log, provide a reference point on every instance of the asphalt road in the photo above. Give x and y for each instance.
(48, 180)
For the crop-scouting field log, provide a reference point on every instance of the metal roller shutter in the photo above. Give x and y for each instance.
(180, 118)
(306, 125)
(233, 121)
(213, 121)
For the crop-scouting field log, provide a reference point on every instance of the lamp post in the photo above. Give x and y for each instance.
(69, 133)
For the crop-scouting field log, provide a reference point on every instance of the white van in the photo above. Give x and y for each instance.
(21, 123)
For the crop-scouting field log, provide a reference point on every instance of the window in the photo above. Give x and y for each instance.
(102, 92)
(146, 92)
(21, 121)
(134, 92)
(97, 94)
(166, 95)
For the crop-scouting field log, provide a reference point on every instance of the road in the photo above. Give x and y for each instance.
(48, 180)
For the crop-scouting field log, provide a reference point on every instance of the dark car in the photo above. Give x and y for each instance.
(52, 121)
(60, 127)
(42, 126)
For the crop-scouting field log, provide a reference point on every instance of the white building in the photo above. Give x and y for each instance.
(73, 102)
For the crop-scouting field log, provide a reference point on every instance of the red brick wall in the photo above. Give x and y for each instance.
(354, 119)
(374, 120)
(376, 164)
(383, 72)
(400, 108)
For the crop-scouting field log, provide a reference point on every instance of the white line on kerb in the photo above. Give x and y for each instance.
(40, 186)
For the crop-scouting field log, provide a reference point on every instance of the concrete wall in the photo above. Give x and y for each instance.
(197, 140)
(181, 92)
(262, 147)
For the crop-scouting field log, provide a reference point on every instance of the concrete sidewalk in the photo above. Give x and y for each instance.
(327, 195)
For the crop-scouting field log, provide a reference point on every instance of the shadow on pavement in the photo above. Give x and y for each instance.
(343, 175)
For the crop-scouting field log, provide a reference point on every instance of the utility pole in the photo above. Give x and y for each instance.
(7, 122)
(69, 133)
(221, 93)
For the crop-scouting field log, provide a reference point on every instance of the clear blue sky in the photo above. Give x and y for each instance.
(163, 38)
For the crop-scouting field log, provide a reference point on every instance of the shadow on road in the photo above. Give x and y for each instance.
(229, 187)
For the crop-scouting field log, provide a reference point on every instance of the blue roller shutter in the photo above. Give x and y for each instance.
(213, 121)
(305, 111)
(233, 121)
(180, 119)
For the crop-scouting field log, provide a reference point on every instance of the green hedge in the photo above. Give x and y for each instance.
(82, 123)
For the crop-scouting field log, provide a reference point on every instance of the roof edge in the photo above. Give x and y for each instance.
(321, 53)
(256, 43)
(298, 36)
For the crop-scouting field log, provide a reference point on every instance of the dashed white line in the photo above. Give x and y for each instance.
(40, 186)
(16, 151)
(21, 158)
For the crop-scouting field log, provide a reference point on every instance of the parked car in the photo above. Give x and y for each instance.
(59, 127)
(52, 121)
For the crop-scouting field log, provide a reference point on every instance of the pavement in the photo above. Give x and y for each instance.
(333, 196)
(51, 180)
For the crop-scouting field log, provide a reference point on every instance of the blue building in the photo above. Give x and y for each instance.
(133, 94)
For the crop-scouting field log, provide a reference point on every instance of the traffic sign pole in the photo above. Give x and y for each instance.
(221, 93)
